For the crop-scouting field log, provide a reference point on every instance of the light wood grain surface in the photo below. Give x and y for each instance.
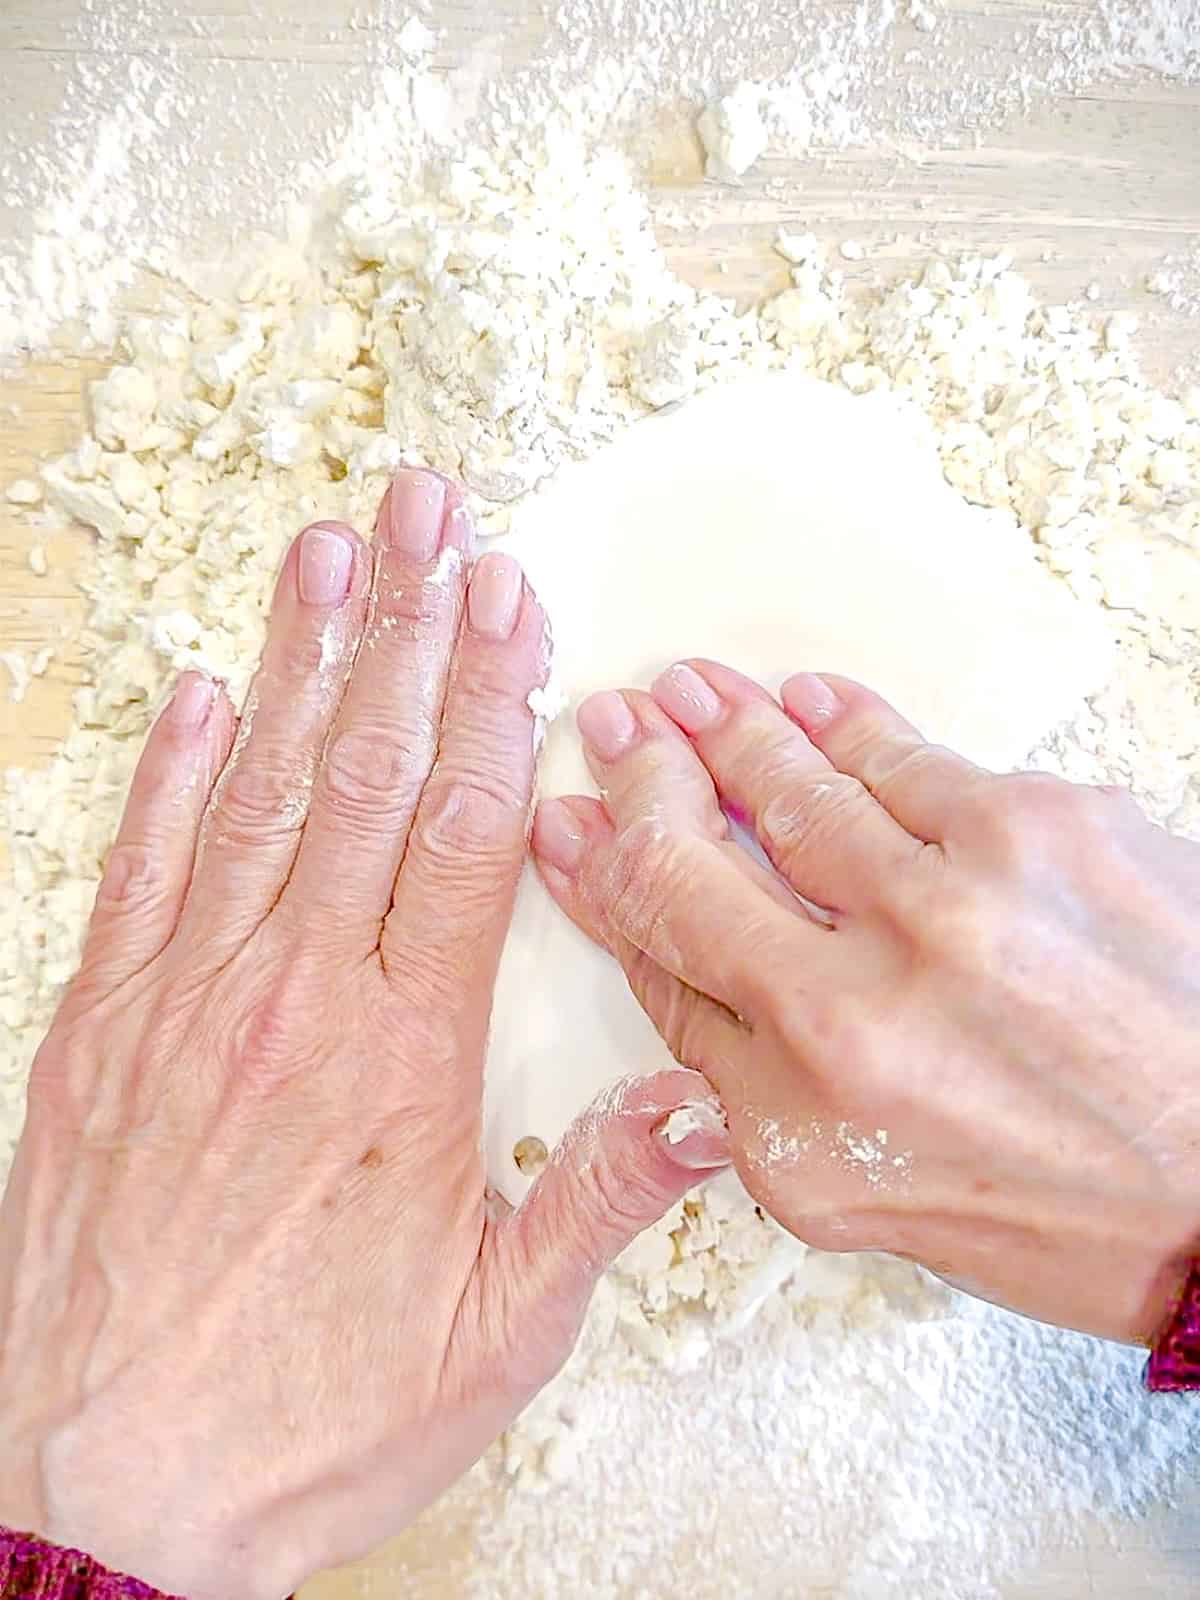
(1093, 189)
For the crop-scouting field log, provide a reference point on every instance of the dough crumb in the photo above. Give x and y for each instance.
(549, 703)
(24, 492)
(17, 667)
(701, 1118)
(733, 133)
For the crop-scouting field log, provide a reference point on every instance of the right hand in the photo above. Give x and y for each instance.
(983, 1053)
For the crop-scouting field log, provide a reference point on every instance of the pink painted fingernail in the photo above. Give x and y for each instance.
(494, 597)
(195, 695)
(416, 509)
(696, 1136)
(326, 564)
(607, 724)
(558, 837)
(687, 698)
(810, 700)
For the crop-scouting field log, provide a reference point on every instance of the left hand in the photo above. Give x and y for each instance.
(256, 1307)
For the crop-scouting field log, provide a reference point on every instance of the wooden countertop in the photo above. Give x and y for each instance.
(1095, 189)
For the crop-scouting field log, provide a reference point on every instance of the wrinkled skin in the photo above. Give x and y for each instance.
(256, 1305)
(1000, 973)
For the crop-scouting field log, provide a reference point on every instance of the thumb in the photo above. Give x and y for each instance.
(621, 1167)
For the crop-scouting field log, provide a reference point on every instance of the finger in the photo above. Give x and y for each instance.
(667, 877)
(920, 784)
(382, 747)
(619, 1169)
(150, 865)
(252, 831)
(822, 830)
(635, 787)
(698, 1032)
(455, 892)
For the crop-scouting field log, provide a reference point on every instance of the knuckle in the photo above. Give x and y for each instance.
(411, 610)
(270, 1041)
(474, 817)
(864, 742)
(836, 1035)
(956, 924)
(764, 744)
(298, 654)
(263, 799)
(1036, 795)
(134, 878)
(488, 742)
(1022, 814)
(852, 1053)
(900, 763)
(646, 871)
(814, 809)
(495, 682)
(58, 1088)
(623, 1192)
(364, 768)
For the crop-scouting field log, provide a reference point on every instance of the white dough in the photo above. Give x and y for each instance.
(778, 524)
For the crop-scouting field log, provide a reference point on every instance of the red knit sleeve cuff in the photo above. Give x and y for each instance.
(30, 1569)
(1174, 1362)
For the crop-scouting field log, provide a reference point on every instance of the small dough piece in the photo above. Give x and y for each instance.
(24, 492)
(733, 133)
(778, 525)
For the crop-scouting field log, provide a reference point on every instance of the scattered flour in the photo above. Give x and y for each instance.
(159, 130)
(497, 305)
(876, 1439)
(1177, 280)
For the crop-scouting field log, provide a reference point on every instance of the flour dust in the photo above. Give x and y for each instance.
(467, 275)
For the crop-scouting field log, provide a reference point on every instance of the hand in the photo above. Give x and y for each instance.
(256, 1308)
(978, 1045)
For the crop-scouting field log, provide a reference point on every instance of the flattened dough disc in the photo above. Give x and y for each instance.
(778, 524)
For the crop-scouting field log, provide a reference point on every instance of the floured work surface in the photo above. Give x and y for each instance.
(513, 315)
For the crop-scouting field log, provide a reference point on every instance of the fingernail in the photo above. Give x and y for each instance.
(696, 1136)
(494, 598)
(558, 838)
(607, 724)
(326, 565)
(809, 700)
(195, 695)
(687, 698)
(416, 509)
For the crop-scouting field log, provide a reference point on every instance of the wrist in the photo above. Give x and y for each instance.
(1172, 1249)
(156, 1516)
(22, 1496)
(19, 1509)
